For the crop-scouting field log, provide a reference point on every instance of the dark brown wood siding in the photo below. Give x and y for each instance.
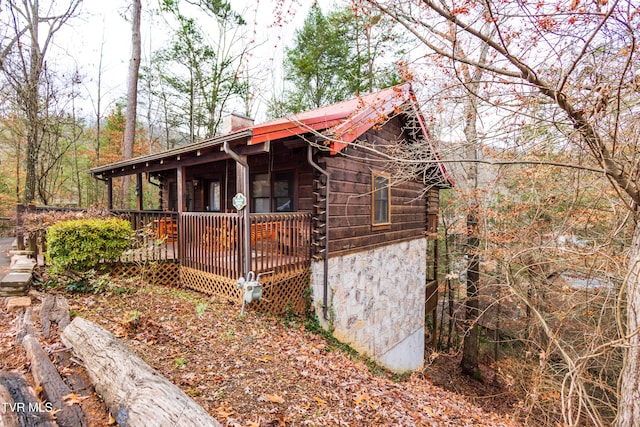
(350, 198)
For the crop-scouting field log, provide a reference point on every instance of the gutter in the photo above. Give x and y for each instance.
(247, 221)
(325, 255)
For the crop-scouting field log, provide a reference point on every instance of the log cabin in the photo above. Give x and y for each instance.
(334, 209)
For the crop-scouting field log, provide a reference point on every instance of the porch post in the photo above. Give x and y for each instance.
(139, 200)
(242, 176)
(181, 187)
(110, 193)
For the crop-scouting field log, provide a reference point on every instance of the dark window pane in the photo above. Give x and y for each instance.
(214, 196)
(380, 199)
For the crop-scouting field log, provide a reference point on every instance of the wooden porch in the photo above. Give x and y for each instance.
(212, 242)
(204, 251)
(212, 257)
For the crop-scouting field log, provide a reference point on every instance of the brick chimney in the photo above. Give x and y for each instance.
(235, 121)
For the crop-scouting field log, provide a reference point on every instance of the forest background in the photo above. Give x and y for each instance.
(532, 107)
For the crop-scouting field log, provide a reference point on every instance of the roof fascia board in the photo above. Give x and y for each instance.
(208, 143)
(131, 166)
(172, 161)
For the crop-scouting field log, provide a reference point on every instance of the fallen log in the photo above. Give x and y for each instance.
(54, 309)
(20, 407)
(134, 392)
(78, 382)
(54, 389)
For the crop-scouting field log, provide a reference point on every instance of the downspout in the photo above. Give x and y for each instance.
(155, 184)
(325, 255)
(247, 221)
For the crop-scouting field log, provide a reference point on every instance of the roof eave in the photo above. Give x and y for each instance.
(144, 161)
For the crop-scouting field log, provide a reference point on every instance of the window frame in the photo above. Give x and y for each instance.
(214, 183)
(270, 187)
(375, 222)
(265, 185)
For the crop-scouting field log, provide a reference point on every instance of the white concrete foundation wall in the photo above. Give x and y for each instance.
(376, 302)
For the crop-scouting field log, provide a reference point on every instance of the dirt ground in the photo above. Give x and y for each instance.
(261, 371)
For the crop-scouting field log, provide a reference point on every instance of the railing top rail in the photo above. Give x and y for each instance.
(113, 211)
(58, 209)
(257, 216)
(276, 215)
(146, 211)
(210, 214)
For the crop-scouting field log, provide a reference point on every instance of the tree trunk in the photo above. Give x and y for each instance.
(31, 99)
(469, 362)
(629, 393)
(132, 92)
(133, 391)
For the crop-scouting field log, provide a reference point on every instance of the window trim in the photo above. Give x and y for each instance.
(210, 182)
(271, 177)
(374, 200)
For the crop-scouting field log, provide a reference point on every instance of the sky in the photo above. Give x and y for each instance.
(102, 30)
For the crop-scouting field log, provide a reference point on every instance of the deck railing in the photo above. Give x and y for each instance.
(209, 242)
(213, 242)
(155, 235)
(280, 241)
(155, 232)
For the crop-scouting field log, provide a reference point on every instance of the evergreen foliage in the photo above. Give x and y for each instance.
(81, 245)
(336, 57)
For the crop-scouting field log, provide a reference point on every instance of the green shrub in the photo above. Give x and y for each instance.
(81, 245)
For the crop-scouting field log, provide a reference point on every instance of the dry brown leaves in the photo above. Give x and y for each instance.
(263, 371)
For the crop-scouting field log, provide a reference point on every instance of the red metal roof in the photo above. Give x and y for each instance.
(339, 124)
(342, 122)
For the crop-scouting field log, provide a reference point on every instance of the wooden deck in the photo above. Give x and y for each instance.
(213, 242)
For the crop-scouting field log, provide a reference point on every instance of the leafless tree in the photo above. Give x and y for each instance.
(29, 31)
(570, 67)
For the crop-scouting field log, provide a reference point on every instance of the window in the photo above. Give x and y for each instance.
(260, 194)
(214, 196)
(283, 192)
(381, 202)
(272, 195)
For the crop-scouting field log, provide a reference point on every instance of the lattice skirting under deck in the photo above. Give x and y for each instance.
(282, 293)
(164, 273)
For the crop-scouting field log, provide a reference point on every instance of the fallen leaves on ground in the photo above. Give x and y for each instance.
(73, 399)
(260, 370)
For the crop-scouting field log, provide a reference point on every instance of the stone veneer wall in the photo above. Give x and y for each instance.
(376, 299)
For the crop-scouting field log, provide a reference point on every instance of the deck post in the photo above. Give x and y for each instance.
(139, 191)
(242, 175)
(20, 210)
(182, 186)
(181, 177)
(110, 193)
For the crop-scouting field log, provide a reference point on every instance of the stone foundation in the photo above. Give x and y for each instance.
(376, 302)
